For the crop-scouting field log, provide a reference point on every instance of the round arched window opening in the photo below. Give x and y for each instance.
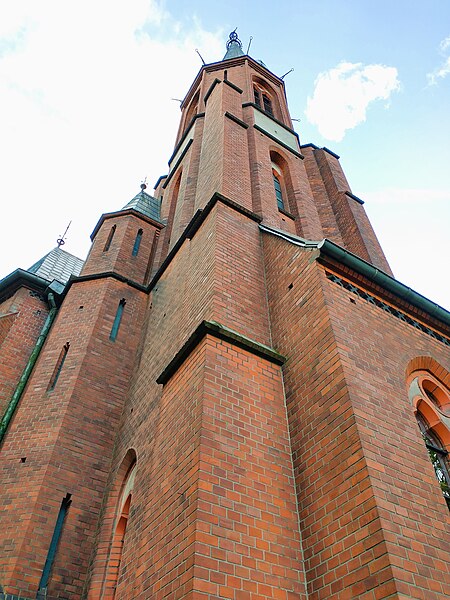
(436, 394)
(437, 453)
(118, 541)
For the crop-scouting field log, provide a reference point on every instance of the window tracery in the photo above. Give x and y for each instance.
(432, 403)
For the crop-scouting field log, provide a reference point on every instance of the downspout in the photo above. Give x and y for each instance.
(29, 367)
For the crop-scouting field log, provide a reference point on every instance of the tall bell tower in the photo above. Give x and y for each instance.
(236, 414)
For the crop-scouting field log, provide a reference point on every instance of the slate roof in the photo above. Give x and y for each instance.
(146, 205)
(57, 264)
(234, 49)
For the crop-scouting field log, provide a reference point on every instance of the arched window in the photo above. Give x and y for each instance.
(278, 189)
(265, 98)
(281, 181)
(118, 541)
(432, 403)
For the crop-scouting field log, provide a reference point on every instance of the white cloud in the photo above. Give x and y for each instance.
(86, 112)
(444, 68)
(342, 95)
(444, 44)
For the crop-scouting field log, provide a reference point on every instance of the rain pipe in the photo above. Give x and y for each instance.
(29, 367)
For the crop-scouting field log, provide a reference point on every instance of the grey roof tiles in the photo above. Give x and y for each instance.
(57, 264)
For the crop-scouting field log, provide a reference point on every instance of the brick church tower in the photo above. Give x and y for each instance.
(234, 398)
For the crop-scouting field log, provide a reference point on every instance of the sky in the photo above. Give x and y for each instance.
(87, 110)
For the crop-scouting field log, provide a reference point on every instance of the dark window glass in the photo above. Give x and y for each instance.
(137, 242)
(438, 456)
(267, 105)
(54, 544)
(278, 192)
(117, 320)
(257, 97)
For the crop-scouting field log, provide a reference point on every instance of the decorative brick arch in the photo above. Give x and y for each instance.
(430, 399)
(428, 363)
(261, 86)
(103, 581)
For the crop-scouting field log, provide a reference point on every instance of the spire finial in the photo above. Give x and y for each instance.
(144, 184)
(234, 46)
(61, 240)
(234, 39)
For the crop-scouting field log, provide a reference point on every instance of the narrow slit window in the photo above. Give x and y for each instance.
(66, 502)
(117, 320)
(58, 367)
(137, 242)
(110, 238)
(278, 192)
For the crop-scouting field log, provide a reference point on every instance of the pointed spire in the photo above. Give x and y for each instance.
(144, 203)
(234, 46)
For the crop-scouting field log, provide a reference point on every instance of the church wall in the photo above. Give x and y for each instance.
(22, 317)
(217, 275)
(321, 200)
(340, 528)
(356, 445)
(66, 435)
(376, 349)
(355, 228)
(118, 256)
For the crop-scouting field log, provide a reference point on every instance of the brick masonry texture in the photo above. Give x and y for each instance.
(22, 317)
(252, 480)
(362, 502)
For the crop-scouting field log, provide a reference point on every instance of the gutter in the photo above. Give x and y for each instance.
(332, 250)
(10, 410)
(384, 280)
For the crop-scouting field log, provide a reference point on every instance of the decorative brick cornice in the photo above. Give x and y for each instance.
(236, 120)
(222, 333)
(107, 275)
(210, 90)
(279, 142)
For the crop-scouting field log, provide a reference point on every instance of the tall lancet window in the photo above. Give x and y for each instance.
(119, 535)
(278, 190)
(432, 402)
(279, 186)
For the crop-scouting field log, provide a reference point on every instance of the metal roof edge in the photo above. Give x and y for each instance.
(384, 280)
(332, 250)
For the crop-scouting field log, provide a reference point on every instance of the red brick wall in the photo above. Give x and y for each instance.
(214, 465)
(368, 521)
(67, 436)
(354, 226)
(217, 275)
(227, 158)
(21, 319)
(376, 350)
(119, 257)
